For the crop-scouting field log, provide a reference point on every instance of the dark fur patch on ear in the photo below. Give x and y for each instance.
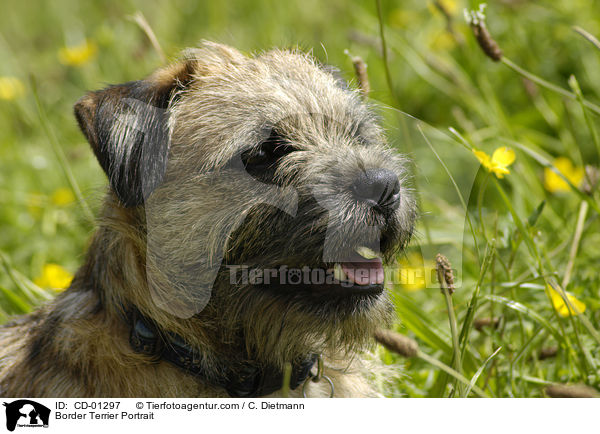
(127, 127)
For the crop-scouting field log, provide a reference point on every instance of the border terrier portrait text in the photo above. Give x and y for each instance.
(252, 202)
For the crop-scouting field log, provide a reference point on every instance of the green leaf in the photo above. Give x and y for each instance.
(535, 215)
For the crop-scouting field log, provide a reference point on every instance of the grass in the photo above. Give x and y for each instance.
(525, 248)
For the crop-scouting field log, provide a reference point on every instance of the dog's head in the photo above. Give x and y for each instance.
(270, 195)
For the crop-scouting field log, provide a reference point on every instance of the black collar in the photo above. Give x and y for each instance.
(245, 380)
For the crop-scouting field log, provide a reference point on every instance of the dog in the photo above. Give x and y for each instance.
(252, 201)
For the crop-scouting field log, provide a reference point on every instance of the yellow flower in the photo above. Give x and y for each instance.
(54, 276)
(413, 273)
(77, 55)
(449, 6)
(554, 183)
(499, 162)
(62, 196)
(11, 88)
(575, 306)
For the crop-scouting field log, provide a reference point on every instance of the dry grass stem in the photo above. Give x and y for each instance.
(141, 21)
(399, 344)
(571, 391)
(590, 183)
(591, 38)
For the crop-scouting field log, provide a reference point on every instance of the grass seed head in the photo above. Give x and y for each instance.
(481, 323)
(445, 273)
(548, 353)
(397, 343)
(476, 19)
(360, 70)
(571, 391)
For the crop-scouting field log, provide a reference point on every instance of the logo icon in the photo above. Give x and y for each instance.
(26, 413)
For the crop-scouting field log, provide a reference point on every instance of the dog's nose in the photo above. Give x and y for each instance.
(378, 187)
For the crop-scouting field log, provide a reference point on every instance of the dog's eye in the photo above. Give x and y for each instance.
(255, 158)
(267, 155)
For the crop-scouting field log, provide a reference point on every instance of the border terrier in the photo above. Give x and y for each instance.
(240, 247)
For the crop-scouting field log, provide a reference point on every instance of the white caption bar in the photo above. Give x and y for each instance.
(149, 415)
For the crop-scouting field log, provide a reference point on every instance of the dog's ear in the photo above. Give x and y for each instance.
(127, 127)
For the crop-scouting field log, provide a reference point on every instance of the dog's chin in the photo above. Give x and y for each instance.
(286, 321)
(304, 319)
(290, 306)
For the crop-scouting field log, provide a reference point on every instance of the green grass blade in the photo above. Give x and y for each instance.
(479, 372)
(62, 159)
(518, 307)
(11, 303)
(455, 185)
(418, 322)
(472, 307)
(538, 80)
(448, 370)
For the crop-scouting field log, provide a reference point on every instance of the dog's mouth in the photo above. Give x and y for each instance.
(361, 273)
(363, 268)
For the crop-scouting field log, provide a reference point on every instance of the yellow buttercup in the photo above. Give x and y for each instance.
(574, 307)
(54, 276)
(499, 161)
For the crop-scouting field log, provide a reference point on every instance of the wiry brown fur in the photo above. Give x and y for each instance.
(162, 233)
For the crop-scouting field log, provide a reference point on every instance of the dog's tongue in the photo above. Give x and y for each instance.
(365, 271)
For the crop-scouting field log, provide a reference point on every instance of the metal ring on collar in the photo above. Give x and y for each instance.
(315, 380)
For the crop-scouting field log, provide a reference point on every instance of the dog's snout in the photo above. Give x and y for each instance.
(377, 187)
